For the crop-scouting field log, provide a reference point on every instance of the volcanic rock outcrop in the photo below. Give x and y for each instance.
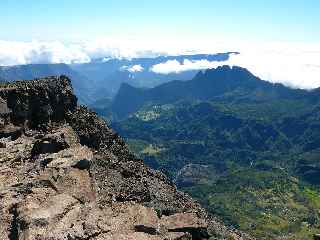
(64, 174)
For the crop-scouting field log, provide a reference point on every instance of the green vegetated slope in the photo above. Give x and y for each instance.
(250, 155)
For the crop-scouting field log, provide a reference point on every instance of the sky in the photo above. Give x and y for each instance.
(286, 20)
(277, 40)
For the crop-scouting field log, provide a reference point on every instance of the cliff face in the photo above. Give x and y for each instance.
(64, 174)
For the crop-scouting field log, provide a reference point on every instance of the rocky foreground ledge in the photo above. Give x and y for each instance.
(64, 174)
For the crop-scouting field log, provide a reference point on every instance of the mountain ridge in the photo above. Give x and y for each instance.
(239, 83)
(66, 174)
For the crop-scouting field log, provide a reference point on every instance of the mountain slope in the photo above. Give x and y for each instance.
(240, 168)
(66, 175)
(248, 150)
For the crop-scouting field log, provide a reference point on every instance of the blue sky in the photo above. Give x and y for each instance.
(278, 40)
(69, 20)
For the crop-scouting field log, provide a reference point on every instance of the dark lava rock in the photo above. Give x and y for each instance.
(4, 110)
(83, 164)
(51, 143)
(39, 102)
(11, 131)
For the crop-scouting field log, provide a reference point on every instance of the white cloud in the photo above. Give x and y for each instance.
(106, 59)
(13, 53)
(173, 66)
(132, 69)
(135, 68)
(295, 64)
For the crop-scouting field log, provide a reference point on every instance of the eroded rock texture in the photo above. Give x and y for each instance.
(64, 174)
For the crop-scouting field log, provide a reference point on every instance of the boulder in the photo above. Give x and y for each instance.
(11, 131)
(54, 142)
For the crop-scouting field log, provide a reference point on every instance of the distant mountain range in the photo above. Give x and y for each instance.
(221, 84)
(109, 74)
(101, 78)
(80, 83)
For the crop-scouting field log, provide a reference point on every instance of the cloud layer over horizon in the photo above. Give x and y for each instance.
(174, 66)
(294, 64)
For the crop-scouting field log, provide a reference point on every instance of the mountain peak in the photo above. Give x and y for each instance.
(226, 70)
